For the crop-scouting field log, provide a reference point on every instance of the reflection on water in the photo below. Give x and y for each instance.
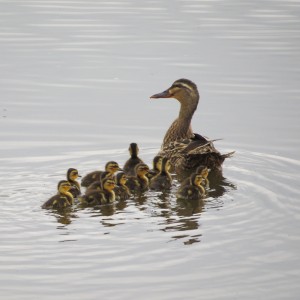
(76, 77)
(171, 214)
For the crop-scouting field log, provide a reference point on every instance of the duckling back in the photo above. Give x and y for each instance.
(133, 161)
(90, 178)
(57, 202)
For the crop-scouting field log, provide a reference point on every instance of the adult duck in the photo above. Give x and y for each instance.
(185, 149)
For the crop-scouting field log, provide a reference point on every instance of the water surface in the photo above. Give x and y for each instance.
(75, 86)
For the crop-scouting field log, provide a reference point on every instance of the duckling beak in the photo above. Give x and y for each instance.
(165, 94)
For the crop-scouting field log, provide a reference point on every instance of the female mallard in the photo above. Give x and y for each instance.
(185, 149)
(72, 175)
(192, 191)
(63, 198)
(156, 166)
(121, 190)
(139, 182)
(98, 197)
(163, 180)
(111, 167)
(133, 160)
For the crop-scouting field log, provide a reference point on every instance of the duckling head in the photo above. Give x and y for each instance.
(121, 178)
(133, 150)
(72, 174)
(203, 171)
(184, 90)
(141, 169)
(108, 184)
(157, 162)
(63, 186)
(196, 180)
(112, 167)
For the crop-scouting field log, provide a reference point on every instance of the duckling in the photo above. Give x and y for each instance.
(163, 179)
(63, 198)
(97, 185)
(111, 167)
(104, 196)
(192, 191)
(72, 175)
(133, 160)
(185, 149)
(156, 164)
(201, 170)
(121, 190)
(139, 182)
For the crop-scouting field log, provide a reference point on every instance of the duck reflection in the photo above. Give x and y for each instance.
(64, 216)
(180, 218)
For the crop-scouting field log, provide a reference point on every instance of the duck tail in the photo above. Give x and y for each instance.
(228, 155)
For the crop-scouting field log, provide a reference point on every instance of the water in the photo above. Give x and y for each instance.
(75, 86)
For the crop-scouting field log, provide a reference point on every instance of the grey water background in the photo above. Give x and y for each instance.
(76, 77)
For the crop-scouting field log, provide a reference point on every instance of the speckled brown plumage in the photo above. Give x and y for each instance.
(185, 149)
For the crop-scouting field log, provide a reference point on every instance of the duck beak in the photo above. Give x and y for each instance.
(165, 94)
(79, 175)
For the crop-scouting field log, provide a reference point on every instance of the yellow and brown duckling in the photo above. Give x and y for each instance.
(156, 166)
(63, 198)
(72, 175)
(139, 182)
(131, 163)
(97, 185)
(185, 149)
(201, 170)
(111, 167)
(192, 191)
(121, 190)
(163, 180)
(98, 197)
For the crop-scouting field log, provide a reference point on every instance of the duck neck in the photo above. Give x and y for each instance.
(181, 127)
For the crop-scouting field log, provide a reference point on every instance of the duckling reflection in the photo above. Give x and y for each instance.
(130, 164)
(62, 199)
(111, 167)
(72, 175)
